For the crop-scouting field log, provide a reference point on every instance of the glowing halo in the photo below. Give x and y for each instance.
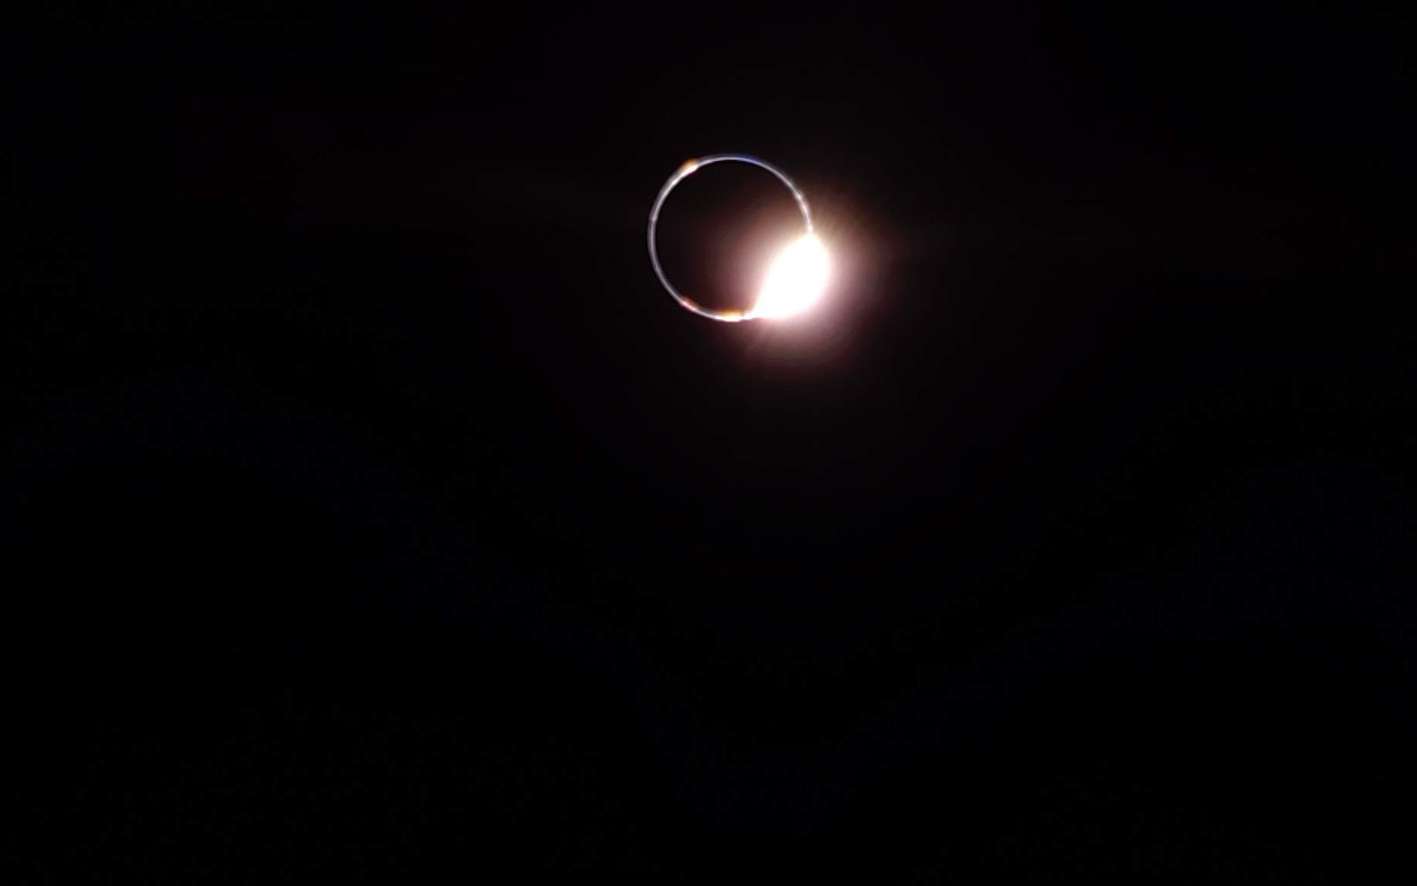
(806, 258)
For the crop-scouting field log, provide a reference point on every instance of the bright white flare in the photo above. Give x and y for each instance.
(795, 280)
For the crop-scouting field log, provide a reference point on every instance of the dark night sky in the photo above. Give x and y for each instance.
(368, 511)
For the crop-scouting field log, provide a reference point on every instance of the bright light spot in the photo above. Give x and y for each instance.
(795, 280)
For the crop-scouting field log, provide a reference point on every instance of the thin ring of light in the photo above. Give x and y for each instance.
(683, 172)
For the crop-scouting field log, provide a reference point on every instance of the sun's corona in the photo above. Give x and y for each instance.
(794, 281)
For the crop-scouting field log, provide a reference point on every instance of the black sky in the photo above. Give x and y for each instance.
(368, 510)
